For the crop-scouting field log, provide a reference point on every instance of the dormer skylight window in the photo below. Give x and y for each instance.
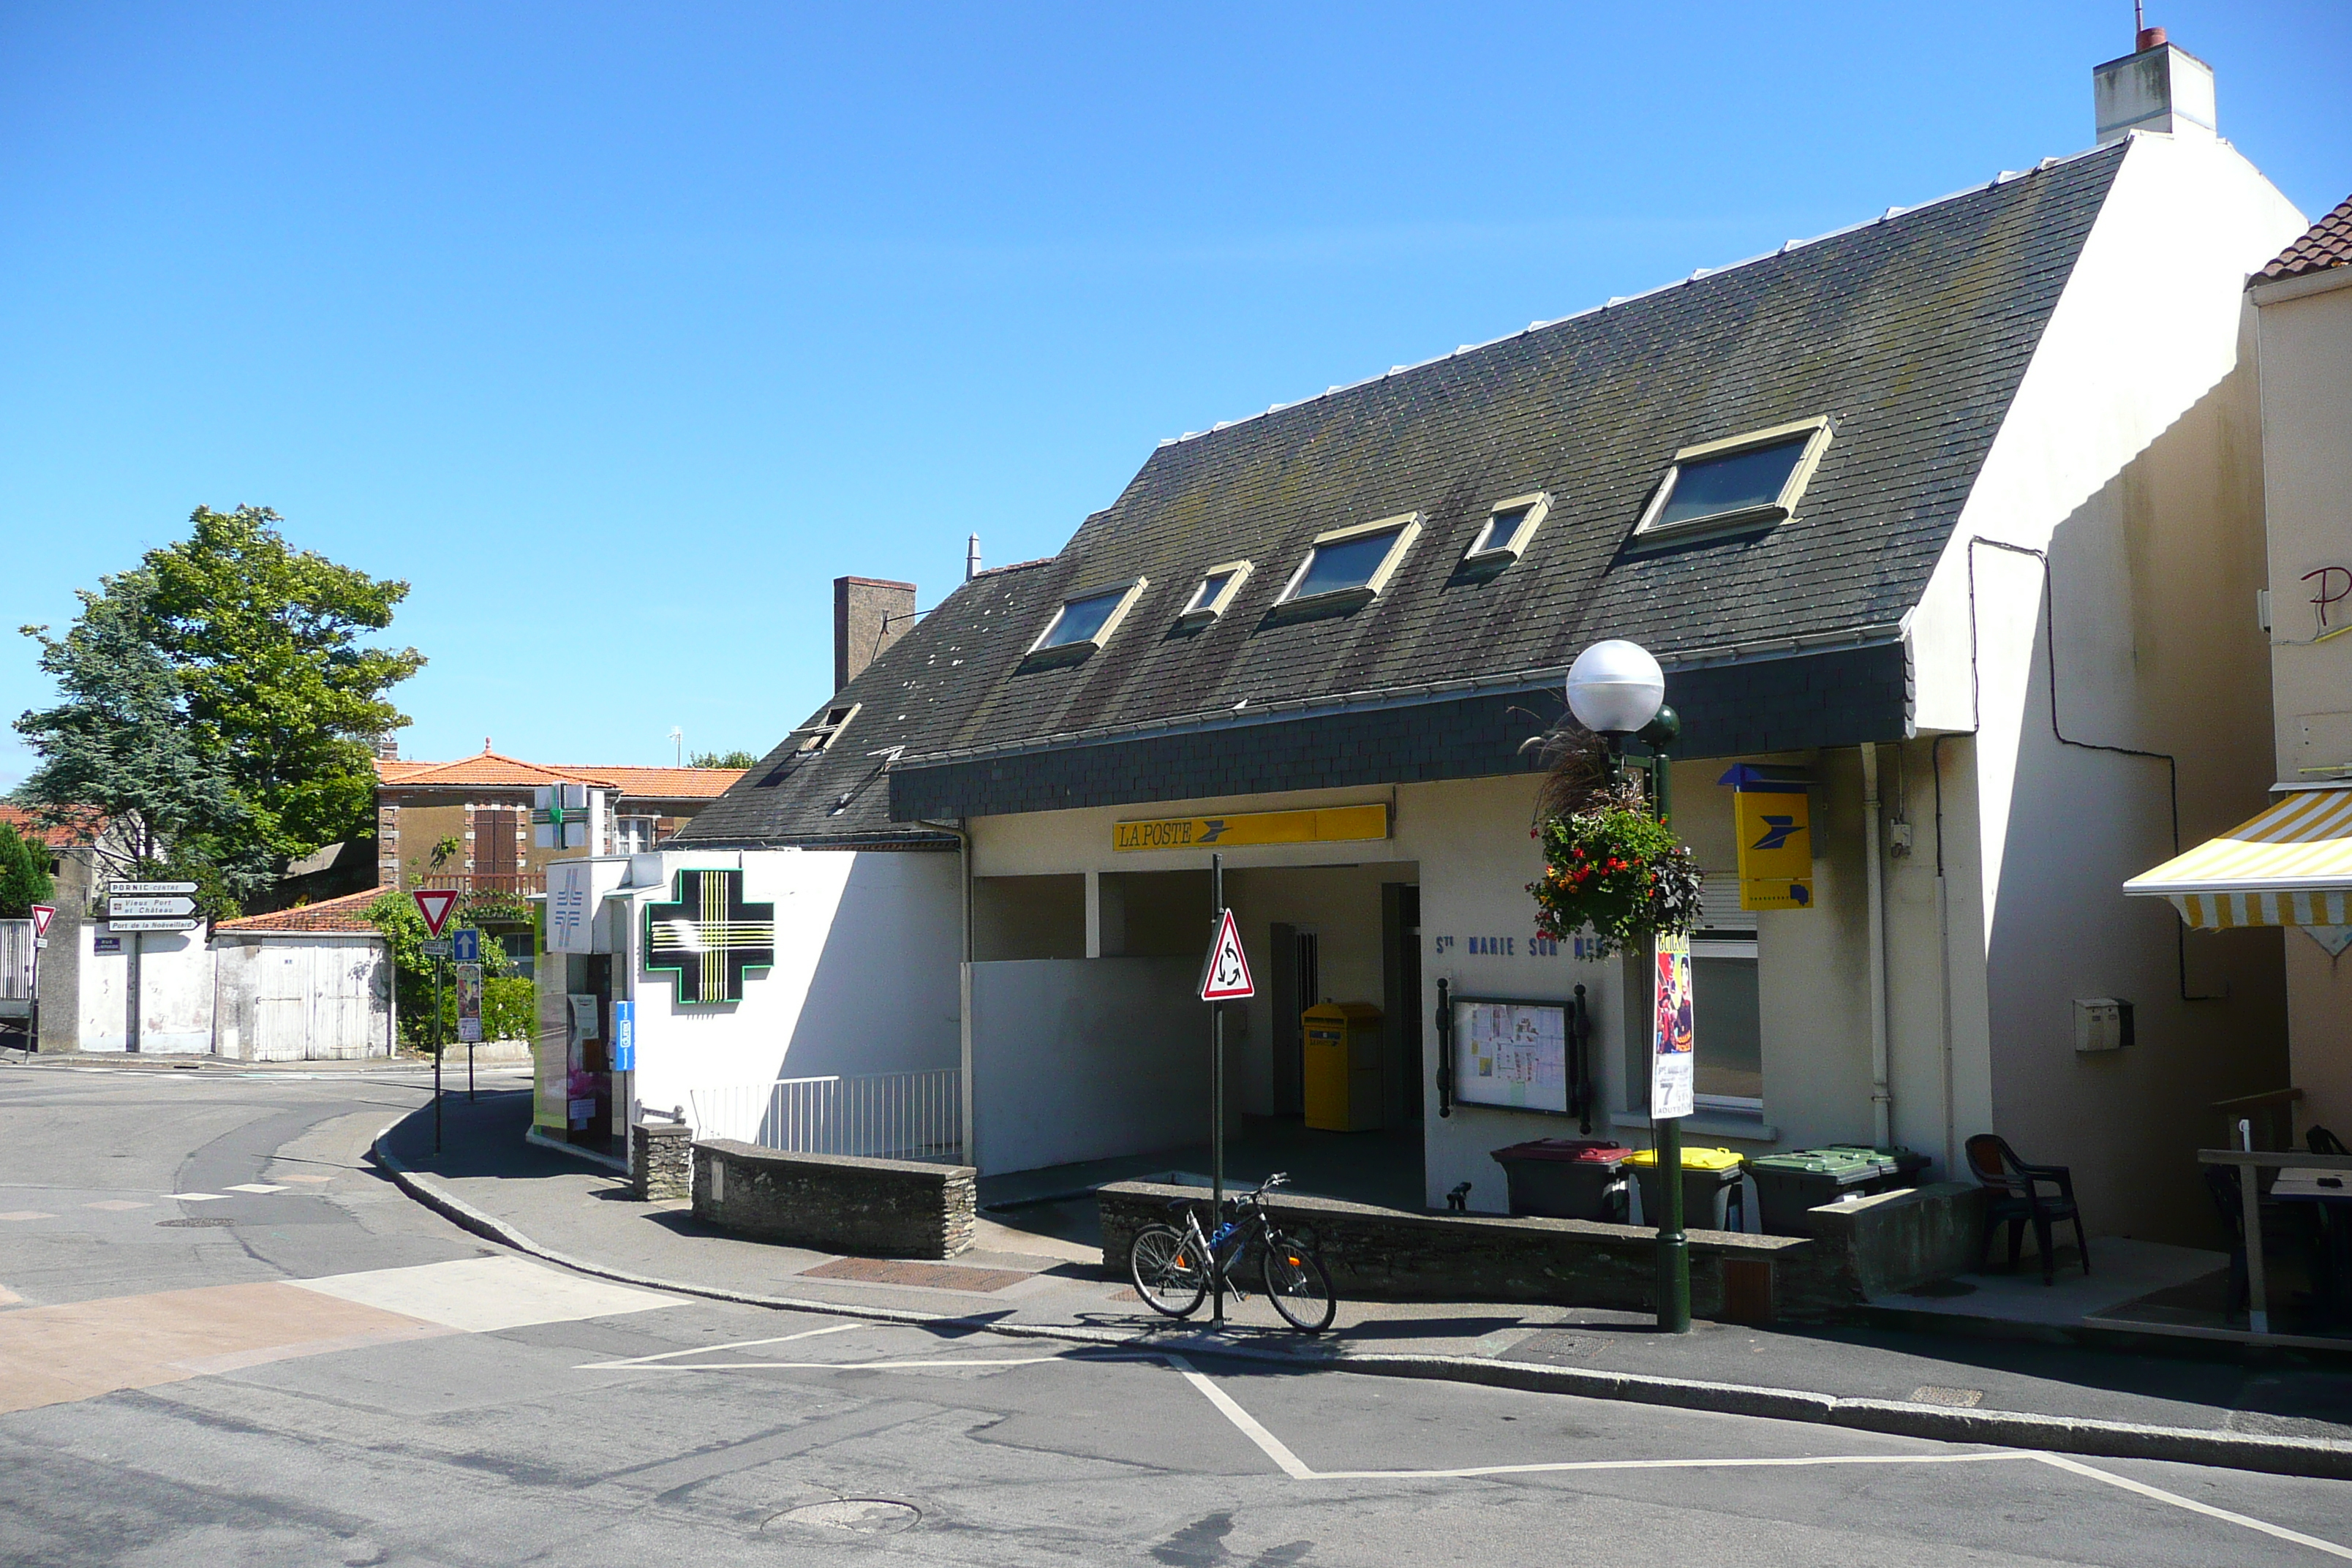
(1747, 481)
(1084, 624)
(1504, 537)
(1350, 565)
(1215, 594)
(816, 735)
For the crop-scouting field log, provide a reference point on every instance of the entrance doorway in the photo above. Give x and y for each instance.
(1296, 985)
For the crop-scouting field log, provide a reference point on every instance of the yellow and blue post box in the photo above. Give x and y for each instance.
(1341, 1042)
(1772, 817)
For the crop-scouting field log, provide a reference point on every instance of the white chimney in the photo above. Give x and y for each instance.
(2157, 87)
(971, 559)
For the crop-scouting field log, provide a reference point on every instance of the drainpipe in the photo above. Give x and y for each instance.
(963, 973)
(1881, 1097)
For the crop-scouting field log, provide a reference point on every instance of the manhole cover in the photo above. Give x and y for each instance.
(194, 1224)
(865, 1515)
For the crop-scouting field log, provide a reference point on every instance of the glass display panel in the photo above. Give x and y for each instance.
(1735, 483)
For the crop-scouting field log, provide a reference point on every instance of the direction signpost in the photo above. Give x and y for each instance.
(1225, 978)
(138, 908)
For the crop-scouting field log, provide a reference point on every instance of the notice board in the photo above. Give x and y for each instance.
(1511, 1053)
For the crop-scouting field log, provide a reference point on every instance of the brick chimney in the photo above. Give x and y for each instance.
(870, 614)
(2159, 87)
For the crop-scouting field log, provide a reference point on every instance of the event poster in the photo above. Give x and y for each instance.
(1672, 1062)
(1513, 1053)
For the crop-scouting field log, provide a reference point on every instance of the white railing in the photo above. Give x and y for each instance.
(888, 1115)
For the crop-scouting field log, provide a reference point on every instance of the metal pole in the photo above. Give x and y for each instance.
(436, 1056)
(1216, 1099)
(1674, 1244)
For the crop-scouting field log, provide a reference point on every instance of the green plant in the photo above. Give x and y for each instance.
(723, 760)
(24, 874)
(510, 1002)
(1614, 866)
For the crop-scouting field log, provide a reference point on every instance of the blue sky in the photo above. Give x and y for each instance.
(618, 332)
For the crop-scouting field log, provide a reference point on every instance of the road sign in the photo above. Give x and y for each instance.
(1226, 976)
(624, 1036)
(154, 924)
(466, 945)
(42, 915)
(130, 889)
(443, 947)
(435, 904)
(121, 907)
(469, 999)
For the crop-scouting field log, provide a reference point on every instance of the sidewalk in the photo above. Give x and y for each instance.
(1023, 1279)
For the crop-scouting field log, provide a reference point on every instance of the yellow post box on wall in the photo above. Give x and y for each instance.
(1771, 813)
(1342, 1067)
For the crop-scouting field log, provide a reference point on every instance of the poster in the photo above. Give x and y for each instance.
(469, 1004)
(1672, 1030)
(1511, 1054)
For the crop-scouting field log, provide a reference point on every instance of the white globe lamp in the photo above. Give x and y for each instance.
(1615, 688)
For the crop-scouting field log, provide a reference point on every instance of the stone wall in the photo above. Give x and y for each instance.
(661, 1160)
(836, 1203)
(1870, 1246)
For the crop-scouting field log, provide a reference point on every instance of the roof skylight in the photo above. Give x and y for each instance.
(1215, 594)
(1504, 537)
(1351, 566)
(1084, 624)
(1746, 481)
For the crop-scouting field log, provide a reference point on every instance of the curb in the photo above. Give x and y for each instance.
(2305, 1457)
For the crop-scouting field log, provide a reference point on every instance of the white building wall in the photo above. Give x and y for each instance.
(312, 996)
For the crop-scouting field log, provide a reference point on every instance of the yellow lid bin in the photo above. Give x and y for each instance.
(1693, 1159)
(1342, 1046)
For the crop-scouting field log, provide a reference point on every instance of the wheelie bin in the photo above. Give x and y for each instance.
(1789, 1184)
(1565, 1178)
(1710, 1187)
(1899, 1167)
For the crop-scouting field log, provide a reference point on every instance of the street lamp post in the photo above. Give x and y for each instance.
(1615, 688)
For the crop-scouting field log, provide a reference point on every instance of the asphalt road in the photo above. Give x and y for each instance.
(320, 1372)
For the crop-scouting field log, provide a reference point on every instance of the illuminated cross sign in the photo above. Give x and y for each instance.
(709, 938)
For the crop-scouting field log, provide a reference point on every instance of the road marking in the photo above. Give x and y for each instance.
(2193, 1506)
(116, 1205)
(913, 1363)
(730, 1346)
(254, 1187)
(199, 1198)
(482, 1294)
(284, 1178)
(27, 1213)
(1270, 1444)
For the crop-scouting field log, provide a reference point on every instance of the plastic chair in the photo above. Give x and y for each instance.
(2014, 1197)
(2320, 1140)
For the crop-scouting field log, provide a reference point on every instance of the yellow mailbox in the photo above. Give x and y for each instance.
(1342, 1067)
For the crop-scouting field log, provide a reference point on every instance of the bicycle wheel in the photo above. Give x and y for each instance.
(1297, 1286)
(1167, 1270)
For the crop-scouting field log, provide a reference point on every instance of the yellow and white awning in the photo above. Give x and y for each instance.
(2292, 866)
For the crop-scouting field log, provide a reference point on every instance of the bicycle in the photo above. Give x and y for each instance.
(1170, 1263)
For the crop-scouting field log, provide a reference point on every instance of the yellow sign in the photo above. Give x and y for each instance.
(1324, 825)
(1776, 845)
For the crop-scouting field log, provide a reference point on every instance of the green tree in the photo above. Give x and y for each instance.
(279, 686)
(723, 760)
(510, 1002)
(119, 744)
(24, 875)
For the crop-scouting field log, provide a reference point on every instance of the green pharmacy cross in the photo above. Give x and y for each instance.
(709, 938)
(556, 809)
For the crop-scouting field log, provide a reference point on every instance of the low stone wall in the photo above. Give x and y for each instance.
(1874, 1245)
(836, 1203)
(1376, 1254)
(661, 1160)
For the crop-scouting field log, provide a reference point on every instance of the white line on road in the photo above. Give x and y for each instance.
(2193, 1506)
(730, 1346)
(1273, 1447)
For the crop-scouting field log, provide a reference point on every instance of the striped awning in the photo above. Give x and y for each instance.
(2292, 866)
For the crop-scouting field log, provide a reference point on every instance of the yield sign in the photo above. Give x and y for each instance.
(1227, 977)
(42, 915)
(435, 904)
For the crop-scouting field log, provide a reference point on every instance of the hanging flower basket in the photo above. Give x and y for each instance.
(1614, 868)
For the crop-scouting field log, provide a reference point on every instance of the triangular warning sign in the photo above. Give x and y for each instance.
(1226, 976)
(42, 915)
(435, 904)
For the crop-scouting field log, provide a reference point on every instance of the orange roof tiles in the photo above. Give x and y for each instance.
(2326, 244)
(492, 768)
(62, 836)
(348, 913)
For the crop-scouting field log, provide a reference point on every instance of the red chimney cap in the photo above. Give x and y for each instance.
(2150, 38)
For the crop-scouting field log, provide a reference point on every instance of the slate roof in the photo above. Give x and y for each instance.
(1910, 332)
(2326, 244)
